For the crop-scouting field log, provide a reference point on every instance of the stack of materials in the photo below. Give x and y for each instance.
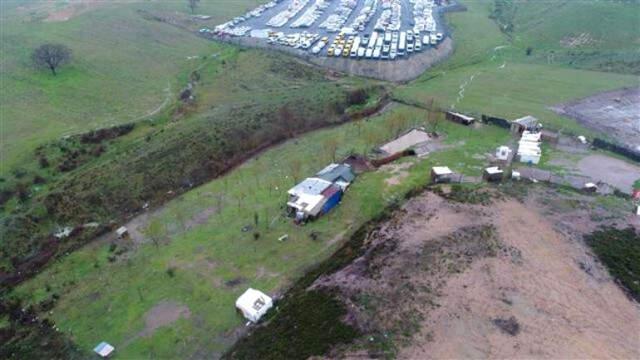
(529, 148)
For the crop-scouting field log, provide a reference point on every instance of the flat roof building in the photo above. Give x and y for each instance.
(254, 304)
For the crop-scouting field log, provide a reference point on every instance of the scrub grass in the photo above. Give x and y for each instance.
(490, 73)
(209, 253)
(123, 68)
(619, 250)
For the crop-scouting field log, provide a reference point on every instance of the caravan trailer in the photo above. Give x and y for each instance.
(402, 44)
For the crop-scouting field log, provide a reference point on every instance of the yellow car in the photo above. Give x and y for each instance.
(325, 39)
(330, 51)
(346, 52)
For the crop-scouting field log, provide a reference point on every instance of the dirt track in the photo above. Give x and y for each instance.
(422, 274)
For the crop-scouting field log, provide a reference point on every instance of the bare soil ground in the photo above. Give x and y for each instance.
(610, 170)
(616, 113)
(401, 70)
(509, 280)
(163, 314)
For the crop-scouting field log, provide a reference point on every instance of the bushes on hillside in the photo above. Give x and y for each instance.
(619, 250)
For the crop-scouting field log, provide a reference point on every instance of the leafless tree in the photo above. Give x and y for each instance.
(193, 4)
(155, 231)
(331, 148)
(295, 167)
(51, 56)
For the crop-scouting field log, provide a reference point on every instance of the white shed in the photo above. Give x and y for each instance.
(104, 349)
(503, 152)
(122, 232)
(441, 174)
(254, 304)
(493, 173)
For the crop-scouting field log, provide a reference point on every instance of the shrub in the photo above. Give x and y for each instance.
(619, 250)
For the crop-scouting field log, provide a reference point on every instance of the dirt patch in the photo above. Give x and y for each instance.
(445, 279)
(72, 8)
(615, 113)
(399, 70)
(618, 173)
(163, 314)
(398, 171)
(235, 282)
(559, 310)
(574, 41)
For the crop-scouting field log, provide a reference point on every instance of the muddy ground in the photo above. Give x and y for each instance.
(616, 113)
(400, 70)
(513, 279)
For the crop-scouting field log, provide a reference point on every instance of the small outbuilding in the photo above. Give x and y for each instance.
(638, 210)
(104, 349)
(122, 232)
(441, 174)
(590, 187)
(493, 174)
(254, 304)
(527, 123)
(460, 118)
(503, 153)
(339, 174)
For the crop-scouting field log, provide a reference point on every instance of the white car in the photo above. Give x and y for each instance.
(426, 40)
(410, 48)
(418, 46)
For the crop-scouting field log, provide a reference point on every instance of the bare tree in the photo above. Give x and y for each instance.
(331, 148)
(193, 4)
(51, 56)
(155, 231)
(295, 168)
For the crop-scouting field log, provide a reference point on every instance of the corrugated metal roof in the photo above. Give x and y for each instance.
(334, 172)
(527, 120)
(310, 186)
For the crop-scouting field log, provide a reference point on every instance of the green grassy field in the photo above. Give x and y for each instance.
(200, 250)
(124, 68)
(209, 253)
(498, 77)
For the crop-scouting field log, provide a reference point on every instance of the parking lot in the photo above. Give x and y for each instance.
(356, 29)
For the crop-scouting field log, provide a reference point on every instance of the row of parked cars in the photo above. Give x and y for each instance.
(379, 45)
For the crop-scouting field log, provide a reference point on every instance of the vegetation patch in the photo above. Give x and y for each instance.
(307, 324)
(619, 250)
(27, 336)
(465, 194)
(509, 326)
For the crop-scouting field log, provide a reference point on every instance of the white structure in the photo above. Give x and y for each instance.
(493, 173)
(638, 210)
(441, 174)
(502, 153)
(254, 304)
(122, 232)
(529, 150)
(591, 187)
(307, 196)
(515, 175)
(104, 349)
